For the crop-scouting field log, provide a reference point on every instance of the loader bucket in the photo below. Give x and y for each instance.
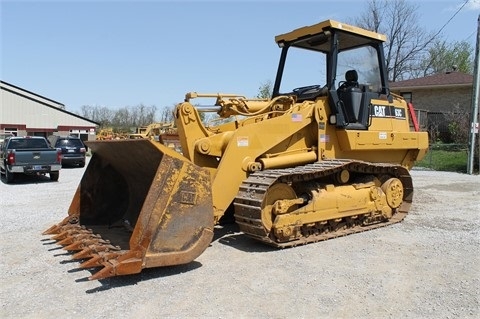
(139, 204)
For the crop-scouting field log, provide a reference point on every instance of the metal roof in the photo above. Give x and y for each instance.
(20, 106)
(313, 37)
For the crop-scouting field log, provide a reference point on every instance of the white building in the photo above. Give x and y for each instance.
(25, 113)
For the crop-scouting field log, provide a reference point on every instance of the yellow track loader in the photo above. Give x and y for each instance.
(326, 156)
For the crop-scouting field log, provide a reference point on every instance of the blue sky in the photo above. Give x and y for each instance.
(123, 53)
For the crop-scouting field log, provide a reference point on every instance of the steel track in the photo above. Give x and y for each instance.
(248, 203)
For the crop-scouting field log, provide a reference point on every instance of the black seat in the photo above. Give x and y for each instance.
(351, 76)
(351, 80)
(350, 96)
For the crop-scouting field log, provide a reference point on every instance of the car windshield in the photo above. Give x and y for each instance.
(69, 143)
(27, 143)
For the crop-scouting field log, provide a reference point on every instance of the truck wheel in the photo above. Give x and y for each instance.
(9, 176)
(54, 176)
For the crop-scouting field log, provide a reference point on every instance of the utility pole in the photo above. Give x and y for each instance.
(475, 96)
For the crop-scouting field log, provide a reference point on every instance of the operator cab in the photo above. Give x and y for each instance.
(338, 61)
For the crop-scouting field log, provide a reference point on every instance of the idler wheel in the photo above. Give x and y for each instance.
(393, 190)
(274, 193)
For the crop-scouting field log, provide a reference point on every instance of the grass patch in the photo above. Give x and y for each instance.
(440, 159)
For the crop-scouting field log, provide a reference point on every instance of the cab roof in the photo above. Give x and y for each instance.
(315, 37)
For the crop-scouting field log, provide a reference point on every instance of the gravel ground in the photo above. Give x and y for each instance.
(428, 266)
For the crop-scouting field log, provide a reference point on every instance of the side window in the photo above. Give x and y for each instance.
(303, 68)
(364, 60)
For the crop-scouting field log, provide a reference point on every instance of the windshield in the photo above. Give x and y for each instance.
(69, 143)
(363, 60)
(25, 143)
(303, 68)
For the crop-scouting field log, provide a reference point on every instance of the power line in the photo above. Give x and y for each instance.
(451, 18)
(471, 34)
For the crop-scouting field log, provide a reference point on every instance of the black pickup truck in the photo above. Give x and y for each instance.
(30, 155)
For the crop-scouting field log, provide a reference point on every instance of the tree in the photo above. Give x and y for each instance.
(265, 90)
(406, 40)
(166, 114)
(122, 119)
(99, 114)
(458, 125)
(443, 57)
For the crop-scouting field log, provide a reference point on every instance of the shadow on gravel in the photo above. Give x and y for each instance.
(69, 167)
(119, 281)
(22, 179)
(146, 274)
(54, 246)
(230, 235)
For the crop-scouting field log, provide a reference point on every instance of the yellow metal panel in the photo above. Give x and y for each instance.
(368, 140)
(319, 27)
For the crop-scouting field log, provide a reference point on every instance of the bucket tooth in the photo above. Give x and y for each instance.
(117, 264)
(91, 247)
(67, 241)
(82, 235)
(61, 236)
(103, 247)
(81, 244)
(55, 229)
(83, 254)
(97, 261)
(79, 230)
(59, 228)
(109, 247)
(68, 223)
(108, 270)
(70, 230)
(76, 246)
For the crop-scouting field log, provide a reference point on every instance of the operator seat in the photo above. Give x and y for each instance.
(350, 96)
(351, 79)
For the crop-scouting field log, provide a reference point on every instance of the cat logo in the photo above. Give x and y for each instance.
(379, 110)
(389, 111)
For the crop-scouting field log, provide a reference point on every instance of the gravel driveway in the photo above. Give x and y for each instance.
(428, 266)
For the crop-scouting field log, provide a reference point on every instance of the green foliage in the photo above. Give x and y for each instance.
(122, 119)
(443, 57)
(265, 90)
(446, 157)
(458, 124)
(411, 51)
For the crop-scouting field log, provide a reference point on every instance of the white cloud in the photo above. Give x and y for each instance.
(473, 5)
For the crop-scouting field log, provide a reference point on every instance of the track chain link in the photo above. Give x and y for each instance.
(248, 203)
